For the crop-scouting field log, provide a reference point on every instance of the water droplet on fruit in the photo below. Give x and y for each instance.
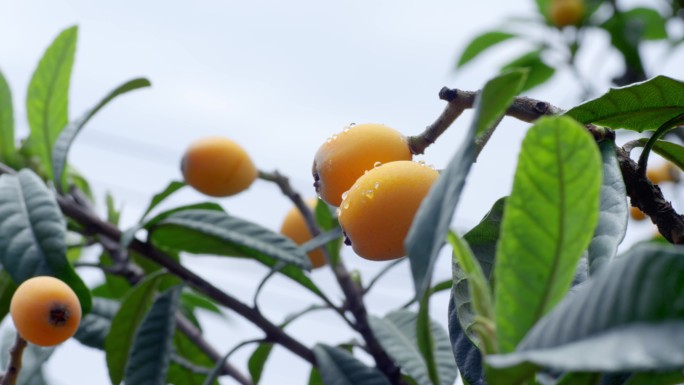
(328, 140)
(334, 137)
(345, 130)
(377, 164)
(345, 205)
(421, 163)
(369, 193)
(377, 184)
(345, 194)
(338, 212)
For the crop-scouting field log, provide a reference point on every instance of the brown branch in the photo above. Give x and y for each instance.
(353, 294)
(97, 225)
(14, 365)
(643, 194)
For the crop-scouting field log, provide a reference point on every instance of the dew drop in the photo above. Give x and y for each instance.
(345, 130)
(328, 140)
(377, 184)
(345, 194)
(421, 163)
(346, 205)
(369, 193)
(338, 212)
(334, 137)
(377, 164)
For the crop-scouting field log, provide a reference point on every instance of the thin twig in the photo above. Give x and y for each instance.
(352, 293)
(643, 194)
(14, 365)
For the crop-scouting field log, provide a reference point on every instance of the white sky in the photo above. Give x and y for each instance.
(277, 77)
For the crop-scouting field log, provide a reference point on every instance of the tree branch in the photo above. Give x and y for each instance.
(643, 194)
(14, 366)
(352, 293)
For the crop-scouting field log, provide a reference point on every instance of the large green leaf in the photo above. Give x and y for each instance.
(217, 233)
(628, 317)
(33, 233)
(538, 71)
(612, 223)
(209, 231)
(479, 295)
(549, 220)
(149, 359)
(480, 44)
(482, 240)
(125, 324)
(396, 333)
(638, 107)
(338, 367)
(95, 326)
(68, 134)
(47, 99)
(7, 145)
(431, 223)
(467, 355)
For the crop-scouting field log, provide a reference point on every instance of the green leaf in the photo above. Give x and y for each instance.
(338, 367)
(668, 150)
(165, 214)
(639, 107)
(33, 234)
(47, 100)
(670, 378)
(229, 235)
(125, 323)
(538, 71)
(431, 223)
(67, 135)
(257, 361)
(480, 44)
(467, 355)
(482, 240)
(7, 145)
(217, 233)
(160, 197)
(315, 377)
(149, 359)
(479, 295)
(549, 220)
(95, 326)
(199, 301)
(612, 223)
(7, 288)
(629, 317)
(425, 341)
(496, 96)
(396, 333)
(186, 349)
(646, 22)
(327, 222)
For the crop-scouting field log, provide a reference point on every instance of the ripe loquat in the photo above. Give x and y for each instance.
(218, 167)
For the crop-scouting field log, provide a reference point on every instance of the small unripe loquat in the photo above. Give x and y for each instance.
(344, 157)
(294, 227)
(377, 211)
(667, 172)
(218, 167)
(45, 311)
(636, 214)
(566, 12)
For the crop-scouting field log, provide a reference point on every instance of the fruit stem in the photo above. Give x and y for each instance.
(14, 366)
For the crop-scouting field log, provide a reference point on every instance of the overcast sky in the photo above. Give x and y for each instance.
(279, 78)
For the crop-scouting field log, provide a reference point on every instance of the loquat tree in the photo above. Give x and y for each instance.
(539, 292)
